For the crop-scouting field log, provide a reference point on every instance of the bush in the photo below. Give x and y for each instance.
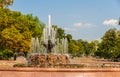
(20, 65)
(5, 54)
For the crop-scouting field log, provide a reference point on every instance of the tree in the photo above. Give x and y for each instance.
(69, 37)
(36, 26)
(76, 48)
(7, 54)
(5, 3)
(16, 30)
(86, 48)
(117, 54)
(73, 49)
(60, 33)
(108, 46)
(81, 47)
(55, 26)
(14, 40)
(91, 48)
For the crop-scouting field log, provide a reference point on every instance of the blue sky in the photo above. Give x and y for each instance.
(84, 19)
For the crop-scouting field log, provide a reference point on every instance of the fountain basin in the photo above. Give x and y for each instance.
(47, 59)
(59, 72)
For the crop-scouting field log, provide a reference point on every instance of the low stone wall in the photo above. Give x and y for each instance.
(59, 72)
(9, 63)
(4, 63)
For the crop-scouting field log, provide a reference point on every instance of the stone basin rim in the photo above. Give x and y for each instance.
(35, 69)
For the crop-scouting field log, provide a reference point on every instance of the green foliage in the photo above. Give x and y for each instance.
(69, 37)
(80, 48)
(6, 54)
(79, 43)
(5, 3)
(16, 30)
(91, 49)
(14, 40)
(117, 47)
(60, 33)
(35, 25)
(110, 45)
(109, 42)
(75, 48)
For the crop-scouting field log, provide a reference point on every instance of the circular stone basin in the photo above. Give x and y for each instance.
(47, 59)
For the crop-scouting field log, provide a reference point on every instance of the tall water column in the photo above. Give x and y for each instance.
(49, 33)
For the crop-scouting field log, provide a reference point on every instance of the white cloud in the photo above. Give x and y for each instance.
(111, 22)
(78, 24)
(83, 25)
(69, 29)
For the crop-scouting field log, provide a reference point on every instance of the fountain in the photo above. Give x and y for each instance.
(49, 50)
(49, 42)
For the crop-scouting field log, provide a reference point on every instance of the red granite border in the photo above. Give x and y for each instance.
(60, 69)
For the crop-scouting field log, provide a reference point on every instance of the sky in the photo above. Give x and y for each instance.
(83, 19)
